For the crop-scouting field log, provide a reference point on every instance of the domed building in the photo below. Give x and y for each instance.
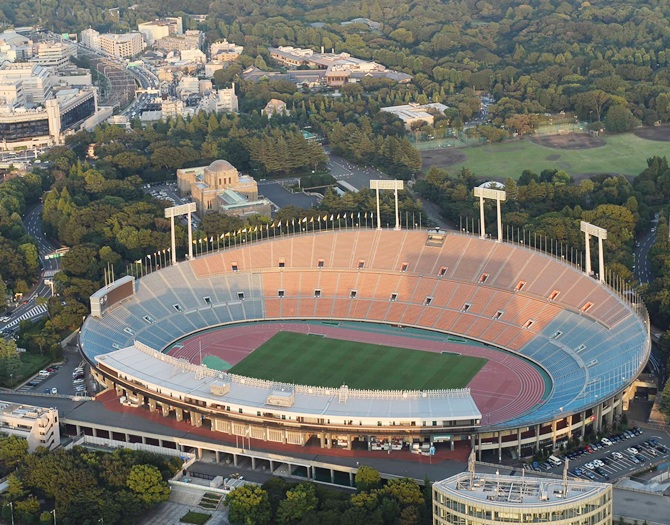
(220, 188)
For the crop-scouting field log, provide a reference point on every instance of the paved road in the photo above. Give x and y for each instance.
(30, 310)
(642, 266)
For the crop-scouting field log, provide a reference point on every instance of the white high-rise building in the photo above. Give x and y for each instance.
(90, 38)
(54, 54)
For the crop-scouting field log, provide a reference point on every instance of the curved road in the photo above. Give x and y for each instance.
(27, 309)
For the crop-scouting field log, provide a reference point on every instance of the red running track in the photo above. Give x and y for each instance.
(506, 387)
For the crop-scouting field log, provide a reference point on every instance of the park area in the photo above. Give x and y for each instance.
(580, 155)
(316, 360)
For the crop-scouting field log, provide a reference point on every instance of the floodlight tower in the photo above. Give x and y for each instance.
(490, 193)
(171, 213)
(590, 229)
(394, 185)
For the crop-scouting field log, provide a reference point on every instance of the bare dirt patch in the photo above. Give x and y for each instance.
(658, 133)
(569, 141)
(442, 157)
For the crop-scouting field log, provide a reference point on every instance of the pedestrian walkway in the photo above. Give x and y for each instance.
(181, 501)
(36, 311)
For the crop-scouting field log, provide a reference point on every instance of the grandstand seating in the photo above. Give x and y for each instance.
(587, 354)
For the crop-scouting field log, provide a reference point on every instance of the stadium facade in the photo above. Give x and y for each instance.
(589, 339)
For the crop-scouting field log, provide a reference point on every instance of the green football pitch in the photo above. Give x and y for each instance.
(319, 361)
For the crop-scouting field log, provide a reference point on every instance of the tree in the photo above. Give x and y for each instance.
(13, 450)
(147, 482)
(299, 501)
(367, 478)
(10, 362)
(619, 119)
(248, 504)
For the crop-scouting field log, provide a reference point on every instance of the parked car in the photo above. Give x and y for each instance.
(54, 390)
(662, 448)
(617, 455)
(632, 450)
(640, 458)
(590, 466)
(606, 442)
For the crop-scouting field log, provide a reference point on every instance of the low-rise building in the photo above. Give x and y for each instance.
(192, 39)
(219, 188)
(224, 51)
(413, 113)
(275, 107)
(492, 499)
(338, 68)
(221, 101)
(160, 28)
(38, 426)
(122, 45)
(14, 46)
(54, 54)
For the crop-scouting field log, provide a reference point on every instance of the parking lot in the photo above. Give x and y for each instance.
(628, 452)
(60, 379)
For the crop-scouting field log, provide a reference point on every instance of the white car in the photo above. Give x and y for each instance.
(606, 442)
(617, 455)
(632, 450)
(590, 466)
(78, 382)
(598, 463)
(4, 319)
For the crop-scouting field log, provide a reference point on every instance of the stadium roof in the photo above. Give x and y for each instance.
(160, 372)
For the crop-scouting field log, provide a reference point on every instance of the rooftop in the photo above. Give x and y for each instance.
(514, 491)
(162, 371)
(22, 411)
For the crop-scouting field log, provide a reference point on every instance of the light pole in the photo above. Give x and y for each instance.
(11, 507)
(54, 513)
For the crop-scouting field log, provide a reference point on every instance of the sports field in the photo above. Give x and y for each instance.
(320, 361)
(619, 154)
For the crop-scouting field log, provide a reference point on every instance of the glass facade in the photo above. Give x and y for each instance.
(15, 131)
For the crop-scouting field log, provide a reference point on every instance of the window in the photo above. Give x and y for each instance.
(404, 266)
(498, 315)
(282, 263)
(234, 267)
(466, 307)
(361, 264)
(393, 297)
(580, 348)
(556, 334)
(240, 410)
(519, 286)
(320, 263)
(352, 294)
(280, 293)
(587, 307)
(428, 300)
(529, 323)
(149, 319)
(207, 300)
(177, 307)
(240, 296)
(553, 295)
(483, 278)
(442, 271)
(317, 293)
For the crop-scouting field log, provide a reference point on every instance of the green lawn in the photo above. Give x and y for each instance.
(625, 154)
(318, 361)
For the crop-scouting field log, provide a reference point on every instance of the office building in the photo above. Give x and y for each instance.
(492, 499)
(122, 46)
(39, 426)
(414, 113)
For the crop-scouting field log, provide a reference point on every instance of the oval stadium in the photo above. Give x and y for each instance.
(372, 340)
